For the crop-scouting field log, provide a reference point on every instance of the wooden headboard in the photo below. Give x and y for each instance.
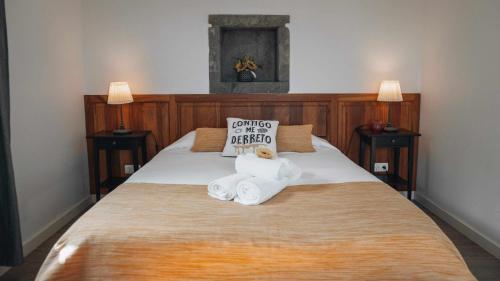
(169, 117)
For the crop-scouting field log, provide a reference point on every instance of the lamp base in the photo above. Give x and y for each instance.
(390, 129)
(122, 132)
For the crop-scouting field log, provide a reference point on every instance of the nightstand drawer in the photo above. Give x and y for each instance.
(393, 141)
(116, 143)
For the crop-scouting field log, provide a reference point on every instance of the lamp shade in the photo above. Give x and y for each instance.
(390, 91)
(119, 93)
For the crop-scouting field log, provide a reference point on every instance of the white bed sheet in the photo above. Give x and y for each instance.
(176, 164)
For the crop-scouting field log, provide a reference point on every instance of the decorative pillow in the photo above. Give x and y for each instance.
(295, 138)
(209, 140)
(245, 136)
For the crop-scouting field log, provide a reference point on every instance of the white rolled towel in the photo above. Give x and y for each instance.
(280, 169)
(225, 188)
(254, 191)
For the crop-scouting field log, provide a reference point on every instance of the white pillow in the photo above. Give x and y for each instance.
(185, 142)
(244, 136)
(318, 142)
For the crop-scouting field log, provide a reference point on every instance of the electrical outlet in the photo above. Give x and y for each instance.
(129, 169)
(381, 167)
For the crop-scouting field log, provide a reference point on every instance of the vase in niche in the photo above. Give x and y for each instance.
(245, 67)
(246, 76)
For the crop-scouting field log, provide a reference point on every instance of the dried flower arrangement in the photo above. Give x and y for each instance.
(245, 63)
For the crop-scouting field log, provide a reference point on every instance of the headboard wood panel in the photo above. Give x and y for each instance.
(169, 117)
(213, 114)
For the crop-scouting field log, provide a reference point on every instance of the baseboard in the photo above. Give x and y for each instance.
(470, 232)
(52, 227)
(3, 269)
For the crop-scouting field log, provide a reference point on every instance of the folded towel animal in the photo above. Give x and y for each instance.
(225, 188)
(280, 169)
(254, 191)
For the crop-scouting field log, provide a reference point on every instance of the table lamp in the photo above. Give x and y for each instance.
(119, 93)
(390, 91)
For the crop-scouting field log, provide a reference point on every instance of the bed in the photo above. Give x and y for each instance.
(338, 222)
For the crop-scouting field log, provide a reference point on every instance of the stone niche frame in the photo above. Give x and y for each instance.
(277, 23)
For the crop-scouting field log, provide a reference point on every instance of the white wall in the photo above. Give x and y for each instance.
(47, 114)
(459, 168)
(161, 46)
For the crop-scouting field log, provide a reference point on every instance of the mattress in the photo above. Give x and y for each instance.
(176, 164)
(336, 225)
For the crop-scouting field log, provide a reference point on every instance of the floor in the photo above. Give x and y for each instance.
(483, 265)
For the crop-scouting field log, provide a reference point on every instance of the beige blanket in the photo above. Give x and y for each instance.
(352, 231)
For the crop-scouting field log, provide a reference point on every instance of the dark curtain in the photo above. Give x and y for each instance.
(11, 251)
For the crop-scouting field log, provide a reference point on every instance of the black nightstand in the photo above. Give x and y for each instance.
(107, 141)
(396, 141)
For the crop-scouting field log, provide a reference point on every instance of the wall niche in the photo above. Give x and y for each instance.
(265, 38)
